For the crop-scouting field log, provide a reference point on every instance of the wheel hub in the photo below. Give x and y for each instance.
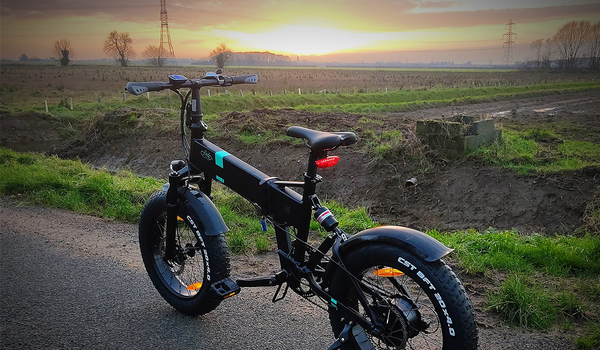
(401, 320)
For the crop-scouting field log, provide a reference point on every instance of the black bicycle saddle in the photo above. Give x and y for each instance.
(320, 140)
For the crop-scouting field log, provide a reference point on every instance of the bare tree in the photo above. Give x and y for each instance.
(547, 53)
(63, 50)
(536, 46)
(152, 56)
(221, 55)
(119, 46)
(594, 45)
(569, 38)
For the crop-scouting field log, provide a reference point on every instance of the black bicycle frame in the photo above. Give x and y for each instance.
(274, 199)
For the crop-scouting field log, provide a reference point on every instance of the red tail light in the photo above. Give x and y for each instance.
(327, 162)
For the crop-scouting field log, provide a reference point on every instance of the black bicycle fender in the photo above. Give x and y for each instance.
(205, 210)
(416, 242)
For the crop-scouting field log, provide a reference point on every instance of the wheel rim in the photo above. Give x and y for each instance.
(409, 306)
(184, 275)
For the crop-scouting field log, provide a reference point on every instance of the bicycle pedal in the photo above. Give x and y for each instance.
(226, 288)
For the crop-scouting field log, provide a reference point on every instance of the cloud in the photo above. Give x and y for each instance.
(438, 5)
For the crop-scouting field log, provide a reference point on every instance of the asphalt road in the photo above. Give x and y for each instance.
(71, 281)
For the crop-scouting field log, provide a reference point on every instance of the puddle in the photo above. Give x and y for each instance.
(544, 110)
(500, 114)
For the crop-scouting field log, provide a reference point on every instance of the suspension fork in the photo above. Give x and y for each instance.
(172, 209)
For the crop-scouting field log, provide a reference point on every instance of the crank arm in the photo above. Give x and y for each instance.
(346, 311)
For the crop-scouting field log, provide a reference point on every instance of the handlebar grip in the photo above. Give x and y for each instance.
(138, 88)
(244, 79)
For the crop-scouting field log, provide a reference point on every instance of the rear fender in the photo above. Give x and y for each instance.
(204, 209)
(413, 241)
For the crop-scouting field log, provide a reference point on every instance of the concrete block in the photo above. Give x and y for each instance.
(482, 127)
(464, 119)
(473, 141)
(487, 138)
(438, 127)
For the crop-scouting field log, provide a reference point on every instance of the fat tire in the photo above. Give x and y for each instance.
(215, 255)
(441, 276)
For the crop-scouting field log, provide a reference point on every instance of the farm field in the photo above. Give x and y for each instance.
(24, 85)
(541, 180)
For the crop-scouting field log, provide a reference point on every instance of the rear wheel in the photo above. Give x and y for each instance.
(421, 305)
(184, 281)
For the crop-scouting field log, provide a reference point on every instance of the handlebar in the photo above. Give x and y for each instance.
(138, 88)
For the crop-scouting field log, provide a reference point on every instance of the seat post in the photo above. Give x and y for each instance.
(310, 183)
(311, 177)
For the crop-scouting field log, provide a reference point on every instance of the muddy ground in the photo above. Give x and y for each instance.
(450, 195)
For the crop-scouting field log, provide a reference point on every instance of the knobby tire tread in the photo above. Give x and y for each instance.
(219, 259)
(445, 278)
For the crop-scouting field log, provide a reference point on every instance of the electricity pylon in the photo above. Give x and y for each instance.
(165, 49)
(509, 44)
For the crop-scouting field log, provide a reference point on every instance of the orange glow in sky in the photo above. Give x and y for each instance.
(324, 30)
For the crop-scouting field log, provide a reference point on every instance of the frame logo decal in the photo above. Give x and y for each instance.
(206, 155)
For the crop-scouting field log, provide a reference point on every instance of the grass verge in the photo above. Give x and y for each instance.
(73, 185)
(538, 151)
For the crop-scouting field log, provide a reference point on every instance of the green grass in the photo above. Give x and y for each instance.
(551, 280)
(538, 151)
(73, 185)
(591, 338)
(524, 304)
(396, 101)
(562, 256)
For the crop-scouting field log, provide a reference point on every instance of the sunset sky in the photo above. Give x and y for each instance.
(315, 30)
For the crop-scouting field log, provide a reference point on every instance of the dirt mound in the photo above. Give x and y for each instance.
(28, 132)
(454, 196)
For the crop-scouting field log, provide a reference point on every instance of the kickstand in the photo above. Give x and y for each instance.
(343, 338)
(275, 298)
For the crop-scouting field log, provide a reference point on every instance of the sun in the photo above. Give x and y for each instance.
(302, 40)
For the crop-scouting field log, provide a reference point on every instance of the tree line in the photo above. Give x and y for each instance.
(119, 46)
(575, 45)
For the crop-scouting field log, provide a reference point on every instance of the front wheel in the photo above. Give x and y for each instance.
(200, 260)
(421, 305)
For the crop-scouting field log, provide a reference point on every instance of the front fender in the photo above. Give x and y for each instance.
(416, 242)
(205, 210)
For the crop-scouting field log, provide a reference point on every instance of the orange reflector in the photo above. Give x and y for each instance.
(228, 295)
(179, 218)
(195, 286)
(388, 272)
(327, 162)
